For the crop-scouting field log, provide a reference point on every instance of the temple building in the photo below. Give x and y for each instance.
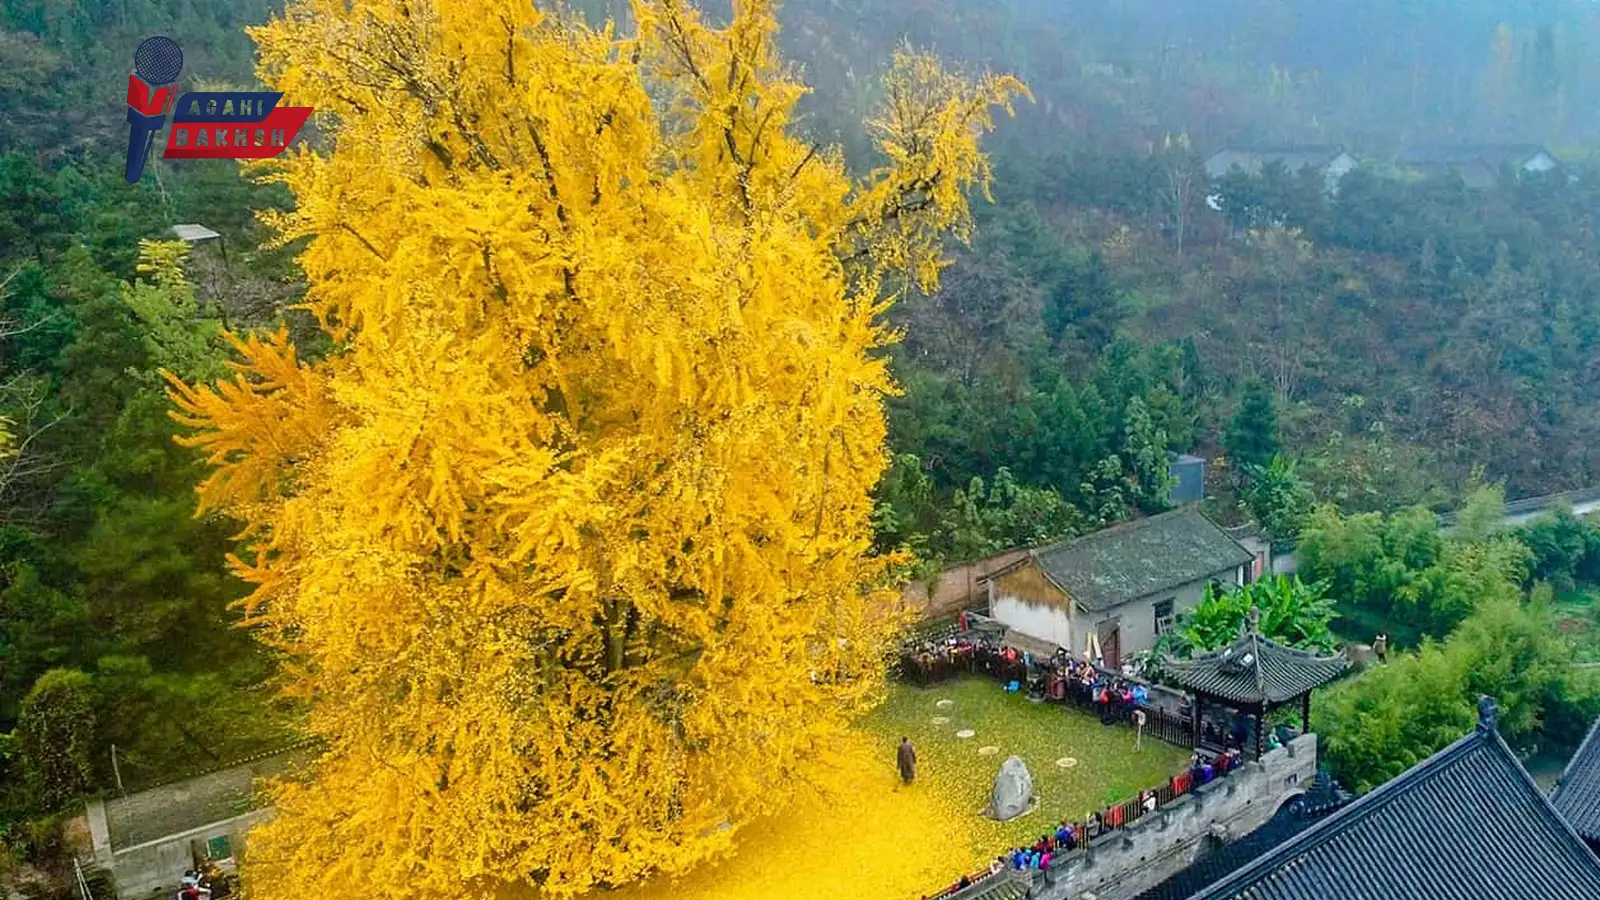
(1577, 793)
(1467, 823)
(1323, 799)
(1113, 593)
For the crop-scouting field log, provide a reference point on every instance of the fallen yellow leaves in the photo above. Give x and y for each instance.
(864, 836)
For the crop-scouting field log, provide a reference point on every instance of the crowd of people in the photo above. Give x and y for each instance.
(1117, 696)
(1065, 678)
(1069, 836)
(1061, 678)
(1039, 856)
(932, 661)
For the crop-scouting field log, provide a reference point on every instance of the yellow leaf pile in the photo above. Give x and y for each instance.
(566, 540)
(859, 835)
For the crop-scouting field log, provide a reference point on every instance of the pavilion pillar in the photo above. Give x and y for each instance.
(1199, 716)
(1261, 724)
(1305, 713)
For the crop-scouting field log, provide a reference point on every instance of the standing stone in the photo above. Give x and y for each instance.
(1013, 790)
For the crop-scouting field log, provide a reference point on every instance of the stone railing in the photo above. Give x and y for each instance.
(1148, 850)
(1001, 885)
(1102, 832)
(1140, 847)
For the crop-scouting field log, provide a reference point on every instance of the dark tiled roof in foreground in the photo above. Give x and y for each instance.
(1577, 793)
(1466, 823)
(1256, 670)
(1140, 558)
(1296, 815)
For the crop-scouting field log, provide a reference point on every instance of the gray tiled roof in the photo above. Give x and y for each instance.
(1466, 823)
(1577, 793)
(1494, 155)
(1256, 670)
(1137, 559)
(1477, 164)
(1253, 160)
(183, 805)
(1296, 815)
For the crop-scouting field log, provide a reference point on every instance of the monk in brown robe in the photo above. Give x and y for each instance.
(908, 761)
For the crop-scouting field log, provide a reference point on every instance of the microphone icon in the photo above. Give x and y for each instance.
(156, 66)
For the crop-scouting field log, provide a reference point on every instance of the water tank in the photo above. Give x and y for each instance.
(1188, 479)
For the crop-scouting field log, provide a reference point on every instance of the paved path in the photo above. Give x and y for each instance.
(1579, 509)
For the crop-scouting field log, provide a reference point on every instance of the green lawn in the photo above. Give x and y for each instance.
(1578, 616)
(1107, 770)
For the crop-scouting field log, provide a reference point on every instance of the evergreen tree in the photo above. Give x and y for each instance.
(1145, 448)
(55, 735)
(1252, 437)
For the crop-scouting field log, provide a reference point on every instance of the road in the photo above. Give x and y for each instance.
(1581, 509)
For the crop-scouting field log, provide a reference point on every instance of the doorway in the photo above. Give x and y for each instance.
(1110, 633)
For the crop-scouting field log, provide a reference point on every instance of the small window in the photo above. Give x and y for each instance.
(1163, 616)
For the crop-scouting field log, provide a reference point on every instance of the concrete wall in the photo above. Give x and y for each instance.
(1025, 601)
(1162, 843)
(154, 869)
(1260, 547)
(1045, 623)
(1138, 619)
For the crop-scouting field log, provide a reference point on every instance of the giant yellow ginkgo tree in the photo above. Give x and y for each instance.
(565, 542)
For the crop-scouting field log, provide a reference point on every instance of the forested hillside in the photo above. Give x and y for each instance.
(1391, 345)
(115, 627)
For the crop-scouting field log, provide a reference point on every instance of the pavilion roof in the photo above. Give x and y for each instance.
(1256, 670)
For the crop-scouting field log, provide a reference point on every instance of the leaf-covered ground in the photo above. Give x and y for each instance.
(869, 838)
(1107, 770)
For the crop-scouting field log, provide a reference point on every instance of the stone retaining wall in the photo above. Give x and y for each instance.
(1162, 843)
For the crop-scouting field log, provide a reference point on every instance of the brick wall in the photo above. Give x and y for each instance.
(957, 587)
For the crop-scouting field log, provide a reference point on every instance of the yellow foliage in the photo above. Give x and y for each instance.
(164, 261)
(566, 542)
(865, 837)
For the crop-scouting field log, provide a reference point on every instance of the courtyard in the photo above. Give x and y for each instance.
(867, 837)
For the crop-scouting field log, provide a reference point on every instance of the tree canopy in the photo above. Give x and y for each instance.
(570, 532)
(1291, 612)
